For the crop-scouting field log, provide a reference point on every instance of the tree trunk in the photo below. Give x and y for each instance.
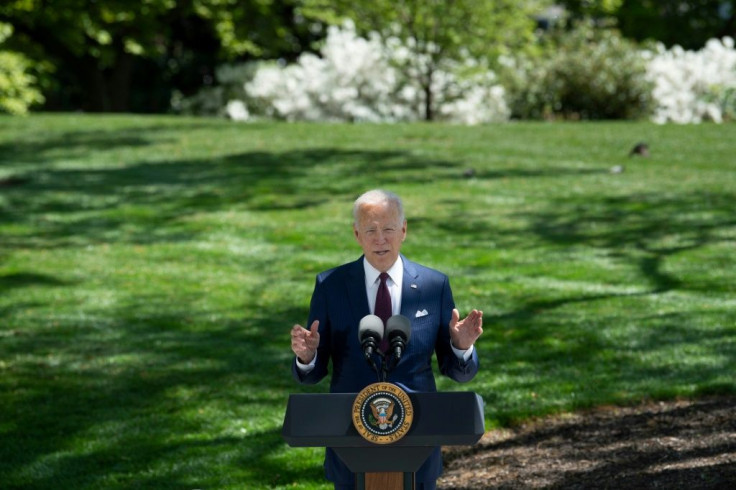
(428, 96)
(106, 90)
(119, 83)
(92, 82)
(428, 112)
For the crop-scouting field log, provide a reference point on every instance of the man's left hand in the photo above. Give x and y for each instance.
(465, 332)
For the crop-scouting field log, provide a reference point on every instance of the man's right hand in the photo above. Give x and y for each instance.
(304, 342)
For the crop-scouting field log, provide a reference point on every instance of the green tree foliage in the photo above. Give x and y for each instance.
(18, 90)
(686, 23)
(597, 74)
(103, 48)
(582, 73)
(92, 44)
(592, 8)
(438, 30)
(689, 24)
(17, 87)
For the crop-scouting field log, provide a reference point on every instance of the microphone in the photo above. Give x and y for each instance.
(370, 333)
(398, 332)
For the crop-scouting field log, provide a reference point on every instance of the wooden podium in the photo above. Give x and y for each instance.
(439, 419)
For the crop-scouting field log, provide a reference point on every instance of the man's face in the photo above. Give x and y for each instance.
(380, 233)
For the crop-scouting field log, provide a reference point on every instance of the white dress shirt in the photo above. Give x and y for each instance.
(394, 283)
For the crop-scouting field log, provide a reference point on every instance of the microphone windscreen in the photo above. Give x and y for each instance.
(399, 324)
(370, 323)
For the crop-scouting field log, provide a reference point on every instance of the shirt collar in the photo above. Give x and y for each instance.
(395, 272)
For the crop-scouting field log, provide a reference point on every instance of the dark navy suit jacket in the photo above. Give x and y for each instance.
(340, 301)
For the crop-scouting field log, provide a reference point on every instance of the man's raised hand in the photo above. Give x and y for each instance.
(465, 332)
(304, 342)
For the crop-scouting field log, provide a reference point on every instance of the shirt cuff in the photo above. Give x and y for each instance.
(305, 368)
(465, 355)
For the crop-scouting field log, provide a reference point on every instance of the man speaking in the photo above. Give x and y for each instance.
(383, 283)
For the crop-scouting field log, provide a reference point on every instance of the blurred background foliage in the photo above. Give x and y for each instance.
(120, 56)
(583, 73)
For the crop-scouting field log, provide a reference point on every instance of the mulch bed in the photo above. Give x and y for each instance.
(668, 445)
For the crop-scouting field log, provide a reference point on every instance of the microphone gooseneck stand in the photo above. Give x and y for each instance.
(392, 357)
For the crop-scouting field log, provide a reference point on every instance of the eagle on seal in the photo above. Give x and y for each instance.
(383, 411)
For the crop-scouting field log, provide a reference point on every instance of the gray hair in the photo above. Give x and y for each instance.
(378, 196)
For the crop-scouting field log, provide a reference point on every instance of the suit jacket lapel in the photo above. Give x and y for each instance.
(411, 290)
(357, 296)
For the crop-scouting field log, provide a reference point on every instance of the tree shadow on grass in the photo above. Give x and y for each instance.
(642, 229)
(162, 395)
(541, 340)
(28, 279)
(71, 144)
(146, 202)
(552, 172)
(284, 471)
(45, 148)
(645, 228)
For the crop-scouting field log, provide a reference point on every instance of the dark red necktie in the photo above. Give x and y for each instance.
(383, 308)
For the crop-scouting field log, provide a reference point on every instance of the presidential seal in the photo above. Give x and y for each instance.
(382, 413)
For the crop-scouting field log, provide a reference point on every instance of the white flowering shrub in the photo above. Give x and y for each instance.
(226, 99)
(482, 101)
(353, 79)
(694, 86)
(582, 74)
(350, 81)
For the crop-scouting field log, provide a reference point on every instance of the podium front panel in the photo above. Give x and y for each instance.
(440, 419)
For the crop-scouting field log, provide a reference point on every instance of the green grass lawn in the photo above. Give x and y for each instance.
(152, 267)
